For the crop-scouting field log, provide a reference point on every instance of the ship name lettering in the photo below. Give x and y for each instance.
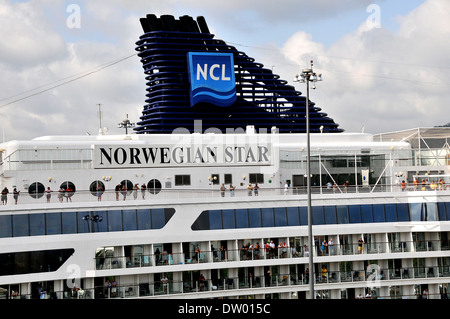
(178, 155)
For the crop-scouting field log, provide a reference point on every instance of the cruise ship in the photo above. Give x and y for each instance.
(208, 197)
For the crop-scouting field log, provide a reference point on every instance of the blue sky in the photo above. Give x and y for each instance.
(379, 78)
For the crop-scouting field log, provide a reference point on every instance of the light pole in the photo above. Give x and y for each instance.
(126, 124)
(307, 76)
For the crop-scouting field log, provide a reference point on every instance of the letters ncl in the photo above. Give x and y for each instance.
(204, 72)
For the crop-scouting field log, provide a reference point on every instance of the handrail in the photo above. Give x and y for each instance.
(373, 278)
(230, 255)
(82, 195)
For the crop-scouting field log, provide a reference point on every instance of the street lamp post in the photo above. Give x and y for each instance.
(308, 75)
(126, 124)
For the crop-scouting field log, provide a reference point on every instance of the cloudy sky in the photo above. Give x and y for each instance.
(385, 64)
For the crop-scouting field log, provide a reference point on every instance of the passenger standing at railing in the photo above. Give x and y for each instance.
(249, 189)
(323, 247)
(324, 274)
(222, 253)
(164, 281)
(360, 245)
(257, 248)
(117, 190)
(16, 195)
(5, 193)
(69, 193)
(255, 189)
(222, 190)
(433, 186)
(331, 247)
(99, 192)
(48, 194)
(61, 194)
(124, 191)
(143, 189)
(440, 184)
(135, 191)
(232, 188)
(416, 184)
(345, 186)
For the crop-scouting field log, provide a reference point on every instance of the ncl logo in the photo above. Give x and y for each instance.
(212, 78)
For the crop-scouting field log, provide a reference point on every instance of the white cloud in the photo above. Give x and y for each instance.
(37, 48)
(383, 80)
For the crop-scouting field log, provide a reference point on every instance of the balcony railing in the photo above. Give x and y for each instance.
(139, 197)
(217, 256)
(258, 284)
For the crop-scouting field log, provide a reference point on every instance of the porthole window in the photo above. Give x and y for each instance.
(69, 189)
(128, 184)
(154, 186)
(97, 188)
(36, 190)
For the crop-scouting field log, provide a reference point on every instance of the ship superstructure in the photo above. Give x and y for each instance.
(208, 200)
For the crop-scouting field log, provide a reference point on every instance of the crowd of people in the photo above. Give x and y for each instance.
(66, 193)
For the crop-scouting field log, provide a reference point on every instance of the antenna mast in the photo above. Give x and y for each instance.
(100, 131)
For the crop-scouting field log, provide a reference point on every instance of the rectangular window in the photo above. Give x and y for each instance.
(342, 214)
(367, 213)
(378, 213)
(303, 216)
(53, 223)
(228, 179)
(254, 215)
(22, 263)
(330, 214)
(143, 216)
(158, 218)
(354, 212)
(292, 216)
(114, 221)
(37, 224)
(430, 212)
(241, 218)
(447, 208)
(267, 217)
(403, 212)
(20, 225)
(280, 216)
(215, 179)
(129, 220)
(84, 222)
(391, 212)
(215, 219)
(318, 218)
(5, 226)
(441, 210)
(416, 211)
(229, 221)
(69, 223)
(182, 180)
(256, 178)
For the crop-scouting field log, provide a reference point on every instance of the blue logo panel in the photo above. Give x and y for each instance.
(212, 78)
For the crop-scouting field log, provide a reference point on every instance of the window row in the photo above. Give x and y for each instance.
(96, 188)
(83, 222)
(322, 215)
(33, 261)
(214, 179)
